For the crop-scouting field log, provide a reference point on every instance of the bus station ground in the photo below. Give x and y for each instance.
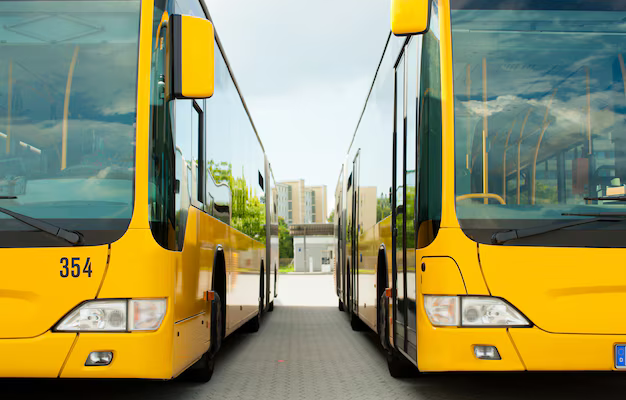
(306, 349)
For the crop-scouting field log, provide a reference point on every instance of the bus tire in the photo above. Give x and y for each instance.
(399, 367)
(355, 323)
(382, 313)
(271, 307)
(202, 370)
(255, 323)
(341, 307)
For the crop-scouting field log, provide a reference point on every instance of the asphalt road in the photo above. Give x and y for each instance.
(308, 351)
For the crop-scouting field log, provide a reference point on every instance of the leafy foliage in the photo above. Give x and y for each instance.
(285, 240)
(248, 211)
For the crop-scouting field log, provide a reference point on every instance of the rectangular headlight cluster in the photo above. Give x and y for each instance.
(115, 316)
(472, 311)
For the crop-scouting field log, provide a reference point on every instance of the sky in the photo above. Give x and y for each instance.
(304, 69)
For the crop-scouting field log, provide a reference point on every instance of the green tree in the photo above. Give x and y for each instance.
(285, 240)
(248, 211)
(222, 172)
(383, 207)
(331, 217)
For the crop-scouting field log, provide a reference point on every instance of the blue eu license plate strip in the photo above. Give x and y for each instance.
(620, 356)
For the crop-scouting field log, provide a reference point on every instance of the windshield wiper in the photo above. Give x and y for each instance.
(8, 197)
(69, 236)
(616, 198)
(505, 236)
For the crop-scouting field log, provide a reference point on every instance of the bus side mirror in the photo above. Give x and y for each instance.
(193, 57)
(409, 17)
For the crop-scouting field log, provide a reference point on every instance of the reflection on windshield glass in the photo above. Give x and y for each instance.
(540, 103)
(67, 109)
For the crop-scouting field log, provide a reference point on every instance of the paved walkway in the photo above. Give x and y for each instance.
(310, 352)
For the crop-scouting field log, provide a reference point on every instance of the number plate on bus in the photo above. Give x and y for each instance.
(620, 356)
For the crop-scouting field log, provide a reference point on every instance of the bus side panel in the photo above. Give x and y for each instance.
(193, 274)
(243, 274)
(368, 257)
(193, 280)
(191, 341)
(370, 244)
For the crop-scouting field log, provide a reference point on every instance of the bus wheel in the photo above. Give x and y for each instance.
(202, 370)
(341, 307)
(271, 307)
(399, 367)
(382, 327)
(355, 323)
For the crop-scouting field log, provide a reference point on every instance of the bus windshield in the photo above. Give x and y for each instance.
(540, 107)
(68, 73)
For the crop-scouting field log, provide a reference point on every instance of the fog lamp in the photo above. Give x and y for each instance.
(486, 353)
(99, 358)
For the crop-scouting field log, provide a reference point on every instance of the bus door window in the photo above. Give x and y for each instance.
(412, 73)
(429, 135)
(197, 148)
(399, 212)
(357, 254)
(183, 160)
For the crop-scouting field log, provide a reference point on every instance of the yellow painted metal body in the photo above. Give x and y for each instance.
(558, 289)
(33, 296)
(573, 296)
(409, 16)
(197, 64)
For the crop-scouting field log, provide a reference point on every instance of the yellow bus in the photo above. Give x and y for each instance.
(483, 217)
(133, 210)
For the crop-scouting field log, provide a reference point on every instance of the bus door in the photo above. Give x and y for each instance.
(348, 244)
(356, 255)
(413, 52)
(398, 215)
(340, 263)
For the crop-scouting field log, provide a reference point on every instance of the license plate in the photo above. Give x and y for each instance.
(620, 356)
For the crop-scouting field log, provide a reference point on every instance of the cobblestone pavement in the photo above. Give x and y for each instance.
(309, 352)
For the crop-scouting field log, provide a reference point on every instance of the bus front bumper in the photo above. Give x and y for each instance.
(520, 349)
(52, 355)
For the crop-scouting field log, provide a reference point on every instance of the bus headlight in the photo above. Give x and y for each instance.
(146, 315)
(442, 310)
(472, 311)
(115, 316)
(490, 311)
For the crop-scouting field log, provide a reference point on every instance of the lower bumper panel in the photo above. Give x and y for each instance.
(39, 357)
(543, 351)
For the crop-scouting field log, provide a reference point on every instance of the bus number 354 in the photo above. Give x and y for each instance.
(74, 267)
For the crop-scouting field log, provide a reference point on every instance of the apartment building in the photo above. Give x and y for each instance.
(300, 204)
